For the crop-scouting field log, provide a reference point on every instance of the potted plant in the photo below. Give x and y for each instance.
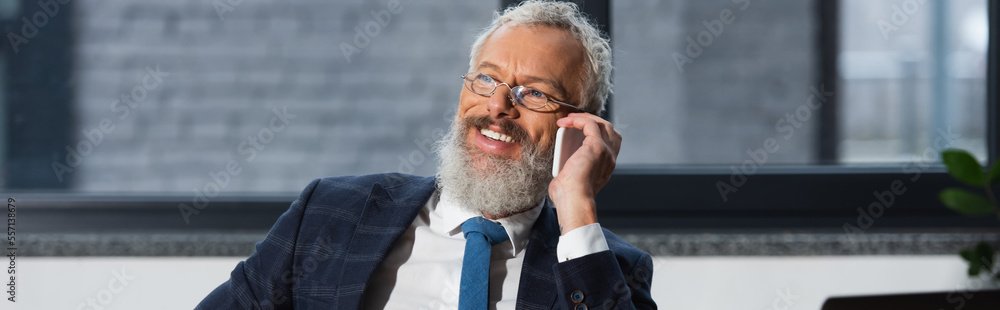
(964, 167)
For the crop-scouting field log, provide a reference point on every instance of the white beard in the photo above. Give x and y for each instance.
(504, 186)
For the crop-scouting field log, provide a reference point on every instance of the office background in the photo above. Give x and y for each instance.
(695, 97)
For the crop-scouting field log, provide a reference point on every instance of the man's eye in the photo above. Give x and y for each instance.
(535, 93)
(485, 78)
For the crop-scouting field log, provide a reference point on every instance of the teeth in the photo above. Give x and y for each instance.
(495, 135)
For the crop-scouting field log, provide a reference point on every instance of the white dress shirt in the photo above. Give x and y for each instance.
(424, 268)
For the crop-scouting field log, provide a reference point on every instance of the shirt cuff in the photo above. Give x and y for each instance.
(580, 242)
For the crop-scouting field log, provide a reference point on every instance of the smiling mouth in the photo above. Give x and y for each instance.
(496, 136)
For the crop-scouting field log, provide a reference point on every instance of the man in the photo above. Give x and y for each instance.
(481, 233)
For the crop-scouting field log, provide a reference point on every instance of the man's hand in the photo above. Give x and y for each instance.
(585, 172)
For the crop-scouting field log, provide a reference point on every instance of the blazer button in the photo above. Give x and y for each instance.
(577, 297)
(581, 307)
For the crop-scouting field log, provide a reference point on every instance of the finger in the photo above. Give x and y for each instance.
(581, 124)
(595, 118)
(589, 127)
(607, 130)
(611, 134)
(608, 137)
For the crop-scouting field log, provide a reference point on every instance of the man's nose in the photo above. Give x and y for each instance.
(501, 105)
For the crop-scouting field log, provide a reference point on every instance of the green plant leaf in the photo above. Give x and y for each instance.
(994, 172)
(963, 167)
(986, 255)
(969, 255)
(981, 258)
(965, 202)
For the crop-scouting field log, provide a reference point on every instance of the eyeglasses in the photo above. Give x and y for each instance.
(527, 97)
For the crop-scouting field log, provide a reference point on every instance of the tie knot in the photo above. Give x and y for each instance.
(494, 232)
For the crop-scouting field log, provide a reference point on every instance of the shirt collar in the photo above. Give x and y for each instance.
(448, 215)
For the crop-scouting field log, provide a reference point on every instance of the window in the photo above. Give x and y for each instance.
(254, 100)
(910, 71)
(704, 83)
(742, 114)
(701, 82)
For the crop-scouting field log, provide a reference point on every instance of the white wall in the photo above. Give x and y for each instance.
(754, 282)
(680, 282)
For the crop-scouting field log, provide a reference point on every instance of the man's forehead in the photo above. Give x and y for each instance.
(537, 53)
(527, 78)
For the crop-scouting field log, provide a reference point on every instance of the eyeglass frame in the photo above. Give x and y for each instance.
(497, 84)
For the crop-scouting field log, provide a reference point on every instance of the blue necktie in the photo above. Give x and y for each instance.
(480, 236)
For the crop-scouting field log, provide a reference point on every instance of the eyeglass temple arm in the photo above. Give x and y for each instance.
(566, 104)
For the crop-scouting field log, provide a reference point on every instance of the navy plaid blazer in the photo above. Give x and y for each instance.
(322, 252)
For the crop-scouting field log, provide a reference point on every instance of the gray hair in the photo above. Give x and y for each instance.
(563, 15)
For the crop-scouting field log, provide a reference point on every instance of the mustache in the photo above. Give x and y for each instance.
(516, 133)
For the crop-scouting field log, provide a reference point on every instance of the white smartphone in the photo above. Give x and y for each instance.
(568, 140)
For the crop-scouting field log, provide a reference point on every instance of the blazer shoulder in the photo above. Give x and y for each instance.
(331, 190)
(385, 179)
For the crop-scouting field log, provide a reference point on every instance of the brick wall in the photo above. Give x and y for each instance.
(225, 76)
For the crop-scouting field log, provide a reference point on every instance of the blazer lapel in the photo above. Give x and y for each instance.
(537, 286)
(388, 212)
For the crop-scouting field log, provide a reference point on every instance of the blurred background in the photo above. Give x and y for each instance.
(365, 111)
(114, 113)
